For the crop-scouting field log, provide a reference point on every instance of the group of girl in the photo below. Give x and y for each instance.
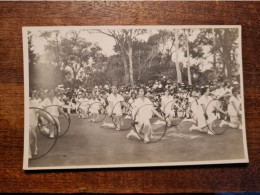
(196, 106)
(201, 107)
(44, 108)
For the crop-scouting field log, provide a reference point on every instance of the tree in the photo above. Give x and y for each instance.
(229, 46)
(179, 75)
(214, 52)
(75, 53)
(163, 45)
(53, 39)
(75, 59)
(124, 38)
(186, 35)
(33, 59)
(225, 49)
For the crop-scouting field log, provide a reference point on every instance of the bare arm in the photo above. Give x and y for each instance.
(157, 113)
(110, 106)
(126, 105)
(219, 109)
(203, 108)
(236, 109)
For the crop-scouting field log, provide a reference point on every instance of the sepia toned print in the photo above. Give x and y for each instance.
(133, 96)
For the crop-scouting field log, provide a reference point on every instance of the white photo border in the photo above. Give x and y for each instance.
(152, 27)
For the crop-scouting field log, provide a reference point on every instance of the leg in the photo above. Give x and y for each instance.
(201, 129)
(33, 140)
(119, 121)
(233, 125)
(210, 127)
(132, 133)
(95, 116)
(52, 126)
(147, 130)
(69, 109)
(58, 123)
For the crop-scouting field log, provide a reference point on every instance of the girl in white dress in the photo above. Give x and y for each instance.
(130, 101)
(143, 111)
(115, 107)
(33, 121)
(51, 105)
(206, 117)
(166, 105)
(192, 107)
(115, 103)
(93, 108)
(83, 105)
(43, 121)
(132, 98)
(234, 111)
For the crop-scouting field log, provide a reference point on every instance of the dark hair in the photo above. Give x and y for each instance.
(234, 90)
(133, 93)
(145, 91)
(203, 90)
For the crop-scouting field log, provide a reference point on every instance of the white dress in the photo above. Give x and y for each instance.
(232, 111)
(33, 115)
(53, 110)
(84, 104)
(33, 121)
(194, 107)
(167, 103)
(131, 101)
(142, 113)
(209, 111)
(94, 106)
(219, 92)
(113, 100)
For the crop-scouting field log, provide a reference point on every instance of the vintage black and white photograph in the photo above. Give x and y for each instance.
(133, 96)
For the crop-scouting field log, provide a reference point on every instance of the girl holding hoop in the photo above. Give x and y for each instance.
(94, 108)
(33, 122)
(206, 119)
(114, 108)
(83, 105)
(131, 101)
(53, 110)
(193, 107)
(167, 102)
(234, 111)
(143, 116)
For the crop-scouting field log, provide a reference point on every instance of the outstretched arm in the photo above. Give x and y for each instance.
(157, 113)
(126, 105)
(203, 108)
(220, 110)
(110, 106)
(236, 109)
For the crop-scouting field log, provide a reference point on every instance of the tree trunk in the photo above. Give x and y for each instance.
(131, 74)
(179, 76)
(188, 59)
(227, 55)
(139, 66)
(124, 58)
(214, 54)
(126, 72)
(58, 73)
